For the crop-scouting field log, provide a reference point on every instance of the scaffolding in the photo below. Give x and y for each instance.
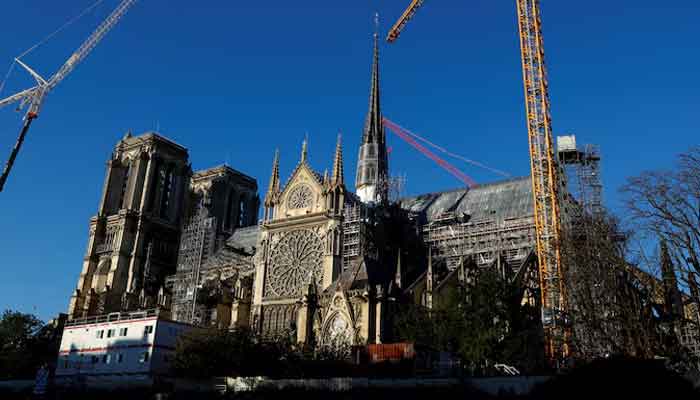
(396, 188)
(196, 244)
(353, 232)
(582, 171)
(506, 242)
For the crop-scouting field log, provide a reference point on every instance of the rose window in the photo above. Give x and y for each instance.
(300, 197)
(295, 260)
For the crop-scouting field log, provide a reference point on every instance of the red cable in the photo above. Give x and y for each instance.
(403, 134)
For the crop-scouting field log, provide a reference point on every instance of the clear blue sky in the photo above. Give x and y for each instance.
(233, 80)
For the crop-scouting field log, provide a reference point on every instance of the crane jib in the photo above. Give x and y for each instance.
(35, 95)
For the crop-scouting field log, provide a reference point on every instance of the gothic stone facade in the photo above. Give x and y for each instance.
(134, 238)
(300, 281)
(139, 214)
(325, 266)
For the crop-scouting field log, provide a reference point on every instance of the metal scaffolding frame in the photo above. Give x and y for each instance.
(353, 232)
(583, 173)
(196, 244)
(487, 241)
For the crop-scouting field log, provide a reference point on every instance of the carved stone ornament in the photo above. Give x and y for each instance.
(301, 196)
(339, 333)
(295, 259)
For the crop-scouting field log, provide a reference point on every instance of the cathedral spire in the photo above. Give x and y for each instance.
(373, 162)
(398, 277)
(373, 132)
(338, 170)
(274, 187)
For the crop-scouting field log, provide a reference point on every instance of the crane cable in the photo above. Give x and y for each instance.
(7, 76)
(47, 38)
(457, 156)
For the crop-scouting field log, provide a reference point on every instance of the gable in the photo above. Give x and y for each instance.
(303, 194)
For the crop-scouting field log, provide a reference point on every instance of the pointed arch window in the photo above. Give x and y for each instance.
(242, 212)
(166, 183)
(229, 210)
(154, 184)
(125, 185)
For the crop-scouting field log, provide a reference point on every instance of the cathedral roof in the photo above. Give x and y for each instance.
(236, 252)
(130, 141)
(228, 256)
(503, 200)
(354, 277)
(362, 274)
(222, 170)
(244, 239)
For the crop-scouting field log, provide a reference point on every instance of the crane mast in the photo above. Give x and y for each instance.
(34, 96)
(545, 178)
(544, 172)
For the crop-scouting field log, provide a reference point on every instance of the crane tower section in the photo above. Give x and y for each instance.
(545, 179)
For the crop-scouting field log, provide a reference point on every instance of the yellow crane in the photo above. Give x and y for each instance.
(544, 171)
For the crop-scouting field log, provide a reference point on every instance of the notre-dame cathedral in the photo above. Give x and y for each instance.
(322, 263)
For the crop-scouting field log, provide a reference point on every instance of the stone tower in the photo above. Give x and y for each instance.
(221, 200)
(371, 182)
(133, 239)
(229, 195)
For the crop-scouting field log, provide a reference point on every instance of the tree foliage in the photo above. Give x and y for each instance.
(665, 205)
(610, 309)
(25, 344)
(214, 352)
(484, 323)
(242, 353)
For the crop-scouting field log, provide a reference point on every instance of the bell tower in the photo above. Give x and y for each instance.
(134, 236)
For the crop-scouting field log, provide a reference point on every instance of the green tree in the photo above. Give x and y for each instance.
(213, 352)
(221, 352)
(483, 323)
(241, 353)
(25, 344)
